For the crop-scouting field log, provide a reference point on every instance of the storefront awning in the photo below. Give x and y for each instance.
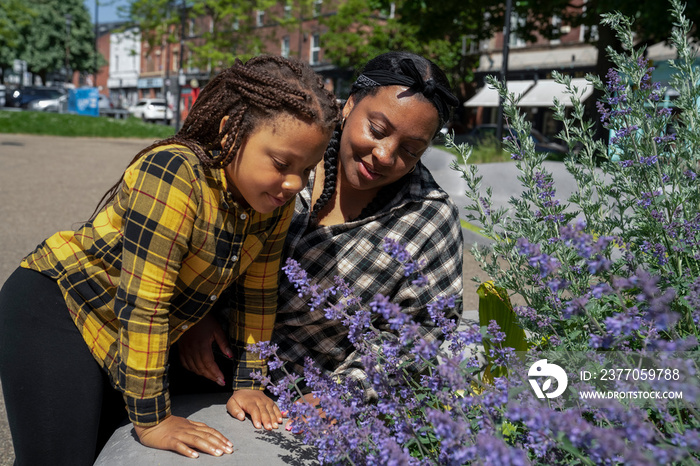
(488, 97)
(544, 92)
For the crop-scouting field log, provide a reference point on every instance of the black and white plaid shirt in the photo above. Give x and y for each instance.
(422, 218)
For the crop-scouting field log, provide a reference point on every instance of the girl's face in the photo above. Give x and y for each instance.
(274, 162)
(384, 136)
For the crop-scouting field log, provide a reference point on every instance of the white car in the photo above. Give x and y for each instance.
(152, 110)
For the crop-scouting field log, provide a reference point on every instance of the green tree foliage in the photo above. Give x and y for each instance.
(442, 31)
(14, 14)
(652, 21)
(232, 32)
(45, 38)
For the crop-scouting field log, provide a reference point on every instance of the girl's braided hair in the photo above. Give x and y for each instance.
(386, 62)
(250, 94)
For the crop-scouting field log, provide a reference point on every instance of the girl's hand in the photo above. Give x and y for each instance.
(263, 411)
(195, 350)
(182, 435)
(310, 399)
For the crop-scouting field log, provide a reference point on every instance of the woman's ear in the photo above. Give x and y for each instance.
(347, 108)
(221, 128)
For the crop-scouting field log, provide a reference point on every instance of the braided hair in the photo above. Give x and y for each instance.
(249, 94)
(389, 64)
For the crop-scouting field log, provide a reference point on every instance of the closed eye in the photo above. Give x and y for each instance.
(376, 131)
(280, 165)
(412, 154)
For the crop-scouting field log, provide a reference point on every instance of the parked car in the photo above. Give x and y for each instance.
(104, 103)
(486, 134)
(152, 110)
(56, 104)
(23, 96)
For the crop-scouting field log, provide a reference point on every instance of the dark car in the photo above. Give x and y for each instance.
(23, 96)
(486, 134)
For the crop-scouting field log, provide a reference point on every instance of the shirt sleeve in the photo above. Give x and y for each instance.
(159, 217)
(253, 304)
(443, 256)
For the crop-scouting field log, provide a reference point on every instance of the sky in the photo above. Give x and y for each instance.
(107, 9)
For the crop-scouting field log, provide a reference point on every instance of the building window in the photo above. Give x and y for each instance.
(285, 47)
(288, 12)
(260, 18)
(236, 25)
(516, 23)
(318, 5)
(315, 51)
(556, 30)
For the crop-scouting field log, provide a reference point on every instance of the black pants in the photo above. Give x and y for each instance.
(60, 405)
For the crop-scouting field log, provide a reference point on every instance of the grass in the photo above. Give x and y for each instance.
(481, 154)
(62, 124)
(55, 124)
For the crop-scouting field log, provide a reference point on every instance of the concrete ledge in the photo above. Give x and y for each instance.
(251, 446)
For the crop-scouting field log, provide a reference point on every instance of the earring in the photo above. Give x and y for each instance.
(342, 124)
(412, 169)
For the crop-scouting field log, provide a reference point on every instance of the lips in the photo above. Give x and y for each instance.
(279, 202)
(367, 172)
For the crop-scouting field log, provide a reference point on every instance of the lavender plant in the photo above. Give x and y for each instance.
(608, 276)
(635, 211)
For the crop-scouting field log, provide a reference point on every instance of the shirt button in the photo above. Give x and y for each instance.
(212, 297)
(185, 327)
(234, 258)
(244, 216)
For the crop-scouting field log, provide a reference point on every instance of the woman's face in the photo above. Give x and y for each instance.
(384, 136)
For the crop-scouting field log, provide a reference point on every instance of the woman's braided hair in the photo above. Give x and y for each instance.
(389, 62)
(250, 94)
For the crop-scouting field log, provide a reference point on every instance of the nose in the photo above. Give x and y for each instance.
(293, 183)
(384, 153)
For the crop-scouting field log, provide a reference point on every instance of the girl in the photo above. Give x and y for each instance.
(371, 185)
(93, 312)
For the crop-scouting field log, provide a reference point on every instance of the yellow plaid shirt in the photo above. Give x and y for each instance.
(155, 261)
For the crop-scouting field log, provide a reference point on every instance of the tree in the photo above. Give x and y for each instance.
(231, 34)
(652, 24)
(14, 15)
(441, 31)
(47, 40)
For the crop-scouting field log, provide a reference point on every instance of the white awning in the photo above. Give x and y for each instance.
(544, 92)
(488, 97)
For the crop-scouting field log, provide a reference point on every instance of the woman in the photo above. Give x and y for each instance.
(370, 186)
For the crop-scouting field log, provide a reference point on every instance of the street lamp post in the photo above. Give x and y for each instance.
(97, 31)
(180, 73)
(69, 18)
(504, 69)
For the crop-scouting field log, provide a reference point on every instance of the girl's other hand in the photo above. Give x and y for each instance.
(310, 399)
(182, 436)
(195, 350)
(263, 411)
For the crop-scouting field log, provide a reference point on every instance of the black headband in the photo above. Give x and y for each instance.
(438, 94)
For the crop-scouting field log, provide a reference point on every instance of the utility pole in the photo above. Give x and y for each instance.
(504, 69)
(69, 18)
(180, 73)
(97, 31)
(166, 82)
